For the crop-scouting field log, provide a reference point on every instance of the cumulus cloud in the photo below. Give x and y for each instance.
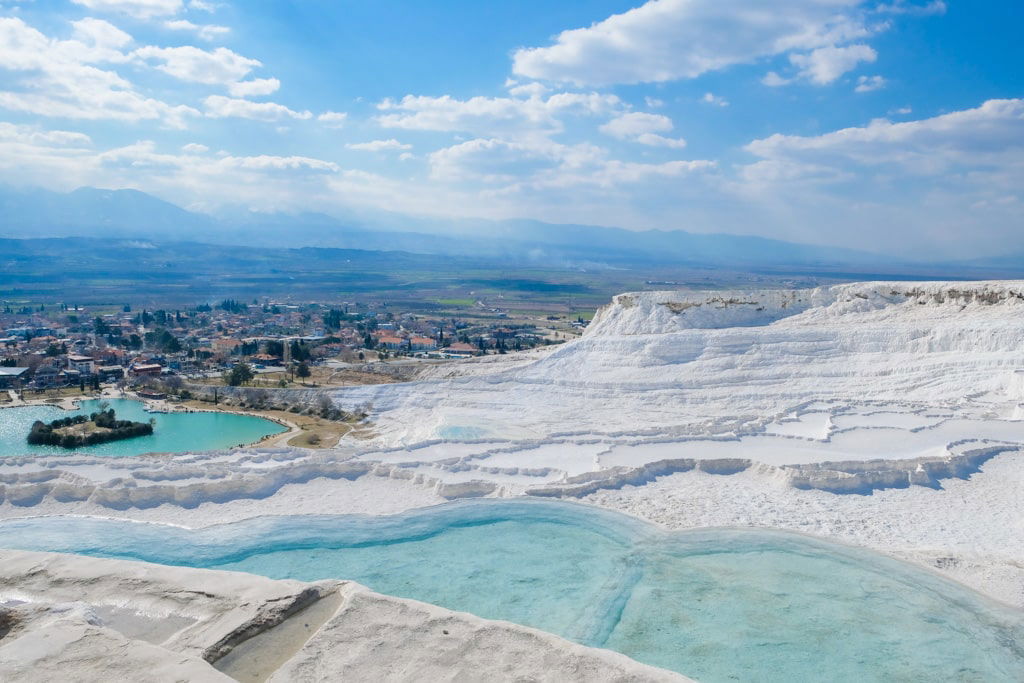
(529, 90)
(665, 40)
(218, 106)
(870, 83)
(378, 145)
(774, 80)
(195, 148)
(909, 7)
(141, 9)
(643, 128)
(926, 182)
(61, 78)
(33, 154)
(333, 119)
(34, 135)
(990, 135)
(254, 87)
(189, 63)
(711, 98)
(266, 162)
(824, 65)
(204, 31)
(504, 116)
(490, 160)
(545, 165)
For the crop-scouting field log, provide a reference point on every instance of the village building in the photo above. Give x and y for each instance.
(11, 378)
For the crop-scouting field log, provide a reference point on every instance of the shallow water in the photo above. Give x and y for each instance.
(716, 605)
(173, 433)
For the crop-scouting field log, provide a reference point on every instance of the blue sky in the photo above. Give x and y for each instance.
(890, 125)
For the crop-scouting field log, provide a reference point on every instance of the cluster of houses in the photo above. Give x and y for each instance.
(74, 346)
(418, 344)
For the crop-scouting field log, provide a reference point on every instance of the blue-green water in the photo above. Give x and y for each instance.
(173, 433)
(720, 605)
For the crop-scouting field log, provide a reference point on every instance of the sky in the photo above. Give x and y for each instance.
(894, 126)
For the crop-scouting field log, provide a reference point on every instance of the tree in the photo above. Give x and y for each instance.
(300, 352)
(240, 374)
(275, 348)
(303, 370)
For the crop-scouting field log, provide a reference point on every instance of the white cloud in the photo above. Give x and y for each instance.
(195, 148)
(653, 102)
(492, 161)
(255, 87)
(635, 123)
(924, 185)
(378, 145)
(33, 135)
(711, 98)
(519, 167)
(869, 83)
(643, 128)
(504, 116)
(655, 140)
(105, 38)
(992, 134)
(665, 40)
(218, 106)
(774, 80)
(204, 31)
(266, 162)
(202, 6)
(30, 154)
(905, 7)
(333, 119)
(824, 65)
(529, 90)
(59, 77)
(141, 9)
(189, 63)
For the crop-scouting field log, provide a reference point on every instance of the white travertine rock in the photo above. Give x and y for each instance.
(85, 619)
(866, 401)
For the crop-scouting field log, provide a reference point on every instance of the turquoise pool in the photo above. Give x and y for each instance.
(174, 432)
(718, 605)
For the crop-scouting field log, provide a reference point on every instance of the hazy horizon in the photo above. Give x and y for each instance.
(889, 127)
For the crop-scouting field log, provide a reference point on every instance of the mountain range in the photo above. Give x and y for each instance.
(132, 214)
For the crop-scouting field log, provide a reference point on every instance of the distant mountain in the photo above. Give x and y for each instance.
(133, 214)
(90, 211)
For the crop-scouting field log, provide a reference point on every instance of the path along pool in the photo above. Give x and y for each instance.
(173, 432)
(716, 605)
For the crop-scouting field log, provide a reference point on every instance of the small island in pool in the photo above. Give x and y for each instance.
(79, 430)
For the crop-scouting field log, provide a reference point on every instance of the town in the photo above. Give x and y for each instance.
(59, 346)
